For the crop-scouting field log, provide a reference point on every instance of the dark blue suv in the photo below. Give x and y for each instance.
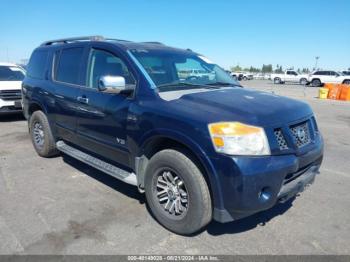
(172, 123)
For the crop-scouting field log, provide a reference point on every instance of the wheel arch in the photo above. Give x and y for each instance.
(174, 140)
(35, 106)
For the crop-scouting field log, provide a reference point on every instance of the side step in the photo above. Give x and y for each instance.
(103, 166)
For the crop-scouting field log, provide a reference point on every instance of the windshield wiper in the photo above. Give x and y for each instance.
(178, 84)
(222, 84)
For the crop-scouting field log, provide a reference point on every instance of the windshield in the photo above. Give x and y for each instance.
(11, 73)
(174, 70)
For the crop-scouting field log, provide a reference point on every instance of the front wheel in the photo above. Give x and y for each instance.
(303, 81)
(316, 82)
(177, 192)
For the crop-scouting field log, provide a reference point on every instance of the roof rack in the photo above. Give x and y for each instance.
(74, 39)
(152, 42)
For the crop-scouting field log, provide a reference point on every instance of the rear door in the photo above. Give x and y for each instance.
(67, 82)
(102, 119)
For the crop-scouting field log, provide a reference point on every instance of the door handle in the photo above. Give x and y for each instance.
(83, 99)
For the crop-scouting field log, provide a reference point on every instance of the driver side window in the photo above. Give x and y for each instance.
(103, 63)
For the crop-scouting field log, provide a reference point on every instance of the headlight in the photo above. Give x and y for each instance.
(234, 138)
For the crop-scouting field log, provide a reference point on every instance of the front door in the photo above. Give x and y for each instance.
(102, 116)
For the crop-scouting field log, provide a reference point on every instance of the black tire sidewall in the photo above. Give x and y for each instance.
(314, 81)
(48, 148)
(192, 221)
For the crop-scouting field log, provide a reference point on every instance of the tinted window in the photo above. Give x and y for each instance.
(332, 73)
(11, 73)
(68, 65)
(37, 64)
(102, 63)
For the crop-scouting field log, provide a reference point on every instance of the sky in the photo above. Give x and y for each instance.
(231, 32)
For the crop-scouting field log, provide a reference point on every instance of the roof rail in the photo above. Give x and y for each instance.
(74, 39)
(152, 42)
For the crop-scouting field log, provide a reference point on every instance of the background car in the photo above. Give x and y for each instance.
(318, 78)
(11, 77)
(289, 76)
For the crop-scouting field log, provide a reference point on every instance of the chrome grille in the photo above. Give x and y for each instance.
(301, 134)
(281, 141)
(10, 95)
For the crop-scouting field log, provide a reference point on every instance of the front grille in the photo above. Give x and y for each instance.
(301, 134)
(281, 141)
(10, 95)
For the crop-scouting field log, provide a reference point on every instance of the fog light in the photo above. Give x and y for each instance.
(265, 194)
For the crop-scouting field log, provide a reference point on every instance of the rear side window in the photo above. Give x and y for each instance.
(37, 64)
(68, 65)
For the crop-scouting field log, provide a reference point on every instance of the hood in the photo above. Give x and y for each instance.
(239, 104)
(10, 85)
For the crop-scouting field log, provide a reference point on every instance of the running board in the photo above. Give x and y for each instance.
(103, 166)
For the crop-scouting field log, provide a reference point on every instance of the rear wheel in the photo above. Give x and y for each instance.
(41, 135)
(316, 82)
(177, 192)
(277, 80)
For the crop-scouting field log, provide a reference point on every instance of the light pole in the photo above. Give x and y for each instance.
(316, 58)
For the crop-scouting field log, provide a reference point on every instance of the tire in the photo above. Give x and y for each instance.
(277, 80)
(245, 78)
(346, 82)
(41, 135)
(316, 82)
(303, 81)
(194, 209)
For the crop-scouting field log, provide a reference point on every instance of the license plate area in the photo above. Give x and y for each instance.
(18, 104)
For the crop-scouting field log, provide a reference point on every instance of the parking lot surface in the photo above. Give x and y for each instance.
(61, 206)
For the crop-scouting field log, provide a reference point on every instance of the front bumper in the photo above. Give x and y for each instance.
(252, 184)
(9, 107)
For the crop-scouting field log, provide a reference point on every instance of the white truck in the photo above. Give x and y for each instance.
(11, 77)
(289, 76)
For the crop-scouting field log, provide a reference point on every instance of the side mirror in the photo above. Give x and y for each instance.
(111, 84)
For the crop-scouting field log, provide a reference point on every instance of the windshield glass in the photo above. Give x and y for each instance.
(11, 73)
(174, 70)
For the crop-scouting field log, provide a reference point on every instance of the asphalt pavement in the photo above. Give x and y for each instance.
(61, 206)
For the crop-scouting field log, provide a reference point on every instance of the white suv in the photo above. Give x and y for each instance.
(11, 77)
(318, 78)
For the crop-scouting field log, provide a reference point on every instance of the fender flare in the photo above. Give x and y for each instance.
(195, 148)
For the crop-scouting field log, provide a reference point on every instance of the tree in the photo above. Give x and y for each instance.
(279, 69)
(236, 68)
(266, 68)
(305, 71)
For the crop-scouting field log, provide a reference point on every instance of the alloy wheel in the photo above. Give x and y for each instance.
(38, 134)
(172, 194)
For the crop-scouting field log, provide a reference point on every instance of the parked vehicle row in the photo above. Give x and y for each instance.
(242, 76)
(11, 77)
(316, 78)
(200, 148)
